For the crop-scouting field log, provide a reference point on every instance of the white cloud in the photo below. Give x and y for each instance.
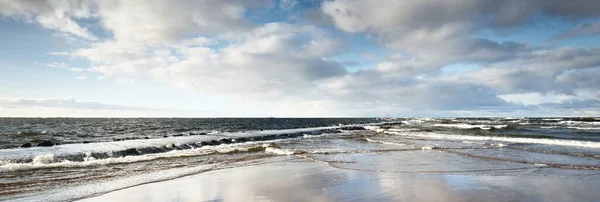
(168, 21)
(69, 103)
(275, 59)
(441, 32)
(71, 107)
(56, 15)
(536, 98)
(58, 65)
(137, 20)
(61, 53)
(214, 47)
(560, 70)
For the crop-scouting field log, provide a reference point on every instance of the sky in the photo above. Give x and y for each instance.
(288, 58)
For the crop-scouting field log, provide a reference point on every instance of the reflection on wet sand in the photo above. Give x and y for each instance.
(300, 179)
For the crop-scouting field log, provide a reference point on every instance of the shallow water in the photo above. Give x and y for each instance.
(297, 180)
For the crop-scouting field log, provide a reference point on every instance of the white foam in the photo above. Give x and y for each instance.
(58, 151)
(499, 145)
(579, 123)
(469, 126)
(48, 157)
(417, 121)
(43, 159)
(426, 148)
(88, 157)
(404, 129)
(384, 142)
(48, 160)
(472, 142)
(372, 127)
(431, 135)
(584, 128)
(279, 151)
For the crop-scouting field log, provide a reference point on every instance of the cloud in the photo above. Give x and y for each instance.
(276, 58)
(575, 104)
(587, 29)
(443, 18)
(139, 21)
(560, 70)
(287, 4)
(55, 15)
(68, 103)
(380, 88)
(442, 32)
(171, 20)
(220, 48)
(61, 53)
(432, 32)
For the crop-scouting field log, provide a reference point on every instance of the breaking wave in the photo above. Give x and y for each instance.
(102, 153)
(384, 142)
(469, 126)
(575, 143)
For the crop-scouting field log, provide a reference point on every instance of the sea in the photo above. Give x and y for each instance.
(65, 159)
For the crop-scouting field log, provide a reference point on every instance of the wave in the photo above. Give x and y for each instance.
(384, 142)
(140, 150)
(469, 126)
(90, 189)
(574, 143)
(280, 151)
(50, 161)
(588, 123)
(32, 133)
(584, 128)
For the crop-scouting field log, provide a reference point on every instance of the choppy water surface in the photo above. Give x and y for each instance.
(18, 131)
(548, 147)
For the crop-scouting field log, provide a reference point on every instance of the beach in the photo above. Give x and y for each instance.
(405, 160)
(294, 179)
(290, 100)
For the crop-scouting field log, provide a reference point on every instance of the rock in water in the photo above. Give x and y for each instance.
(45, 144)
(26, 145)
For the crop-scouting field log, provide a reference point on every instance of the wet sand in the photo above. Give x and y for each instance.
(301, 179)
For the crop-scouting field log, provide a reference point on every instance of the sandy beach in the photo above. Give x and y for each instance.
(297, 179)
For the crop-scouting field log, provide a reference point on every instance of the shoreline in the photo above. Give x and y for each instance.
(303, 180)
(391, 163)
